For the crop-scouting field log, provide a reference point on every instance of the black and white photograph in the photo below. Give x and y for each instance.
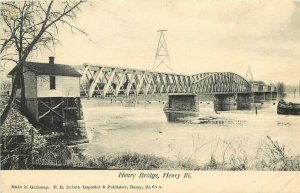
(153, 86)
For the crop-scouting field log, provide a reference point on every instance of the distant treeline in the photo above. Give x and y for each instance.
(291, 88)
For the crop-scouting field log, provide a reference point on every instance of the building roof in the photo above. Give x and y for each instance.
(49, 69)
(258, 82)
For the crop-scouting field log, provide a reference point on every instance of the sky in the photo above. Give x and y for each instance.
(202, 36)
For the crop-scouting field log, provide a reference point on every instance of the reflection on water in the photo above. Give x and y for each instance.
(145, 128)
(177, 116)
(244, 106)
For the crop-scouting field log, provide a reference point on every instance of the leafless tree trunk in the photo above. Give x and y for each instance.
(30, 26)
(12, 97)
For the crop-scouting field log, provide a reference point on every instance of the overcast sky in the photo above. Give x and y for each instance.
(202, 37)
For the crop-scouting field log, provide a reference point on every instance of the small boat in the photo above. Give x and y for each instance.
(288, 108)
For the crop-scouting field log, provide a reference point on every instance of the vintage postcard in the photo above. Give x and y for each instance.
(149, 96)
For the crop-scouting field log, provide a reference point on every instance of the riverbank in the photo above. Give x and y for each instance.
(22, 140)
(18, 125)
(270, 156)
(19, 138)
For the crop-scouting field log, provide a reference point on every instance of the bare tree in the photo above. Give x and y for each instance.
(30, 26)
(281, 89)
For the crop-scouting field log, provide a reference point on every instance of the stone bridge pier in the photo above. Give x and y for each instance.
(234, 101)
(225, 102)
(244, 101)
(182, 102)
(264, 96)
(222, 101)
(270, 95)
(180, 106)
(259, 97)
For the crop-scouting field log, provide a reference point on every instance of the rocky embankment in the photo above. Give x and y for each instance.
(17, 124)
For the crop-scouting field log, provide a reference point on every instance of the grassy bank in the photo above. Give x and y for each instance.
(20, 139)
(270, 156)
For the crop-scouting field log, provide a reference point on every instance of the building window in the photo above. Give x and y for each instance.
(52, 83)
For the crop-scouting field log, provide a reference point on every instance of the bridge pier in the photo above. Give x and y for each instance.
(180, 106)
(268, 96)
(234, 101)
(244, 101)
(225, 102)
(259, 97)
(264, 96)
(182, 102)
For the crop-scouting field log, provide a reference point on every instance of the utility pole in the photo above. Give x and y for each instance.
(162, 54)
(249, 76)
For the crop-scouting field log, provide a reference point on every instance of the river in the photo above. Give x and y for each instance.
(114, 128)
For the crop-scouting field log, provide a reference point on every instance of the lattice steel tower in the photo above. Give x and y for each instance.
(162, 54)
(249, 76)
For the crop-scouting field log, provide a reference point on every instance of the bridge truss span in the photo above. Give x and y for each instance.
(103, 81)
(219, 82)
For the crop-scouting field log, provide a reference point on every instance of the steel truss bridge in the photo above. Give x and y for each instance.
(105, 81)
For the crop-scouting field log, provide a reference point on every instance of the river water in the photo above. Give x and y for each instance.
(115, 128)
